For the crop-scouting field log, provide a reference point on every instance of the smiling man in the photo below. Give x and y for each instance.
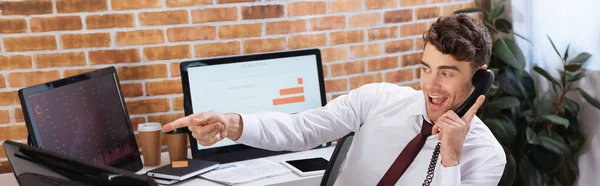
(394, 125)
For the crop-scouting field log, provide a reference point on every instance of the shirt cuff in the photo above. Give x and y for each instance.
(450, 175)
(250, 133)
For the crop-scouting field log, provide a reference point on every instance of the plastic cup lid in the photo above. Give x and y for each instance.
(149, 127)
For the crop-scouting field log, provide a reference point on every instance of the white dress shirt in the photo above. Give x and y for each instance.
(390, 116)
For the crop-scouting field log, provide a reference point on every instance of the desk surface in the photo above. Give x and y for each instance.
(289, 179)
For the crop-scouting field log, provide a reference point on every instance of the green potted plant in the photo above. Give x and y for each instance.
(538, 132)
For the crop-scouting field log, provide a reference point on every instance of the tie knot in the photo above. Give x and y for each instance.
(426, 128)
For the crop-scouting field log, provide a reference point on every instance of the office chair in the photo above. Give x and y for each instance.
(337, 160)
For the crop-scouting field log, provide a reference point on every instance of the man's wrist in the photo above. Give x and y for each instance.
(450, 161)
(235, 126)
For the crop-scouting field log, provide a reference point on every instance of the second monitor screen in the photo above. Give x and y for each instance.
(288, 85)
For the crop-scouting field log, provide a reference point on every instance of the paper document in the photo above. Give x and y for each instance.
(246, 171)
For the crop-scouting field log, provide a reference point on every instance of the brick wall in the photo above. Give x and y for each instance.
(362, 41)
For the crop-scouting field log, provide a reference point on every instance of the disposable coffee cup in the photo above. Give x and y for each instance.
(149, 136)
(177, 144)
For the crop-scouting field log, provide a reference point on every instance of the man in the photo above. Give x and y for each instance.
(387, 117)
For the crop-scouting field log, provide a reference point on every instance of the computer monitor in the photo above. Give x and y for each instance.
(288, 82)
(82, 116)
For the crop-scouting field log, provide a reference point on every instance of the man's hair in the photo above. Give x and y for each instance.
(462, 36)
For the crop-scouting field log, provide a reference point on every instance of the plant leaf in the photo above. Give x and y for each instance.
(532, 138)
(522, 37)
(555, 144)
(530, 173)
(553, 46)
(509, 52)
(557, 119)
(542, 105)
(469, 10)
(571, 105)
(496, 12)
(491, 27)
(545, 159)
(545, 74)
(566, 173)
(510, 170)
(503, 25)
(504, 103)
(567, 52)
(503, 128)
(573, 67)
(581, 58)
(575, 141)
(589, 98)
(576, 77)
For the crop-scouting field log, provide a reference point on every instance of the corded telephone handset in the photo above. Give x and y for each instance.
(482, 80)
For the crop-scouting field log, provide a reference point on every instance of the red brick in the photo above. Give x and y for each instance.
(367, 19)
(413, 29)
(192, 33)
(9, 98)
(415, 85)
(344, 37)
(307, 41)
(286, 27)
(218, 49)
(114, 56)
(418, 73)
(214, 15)
(360, 51)
(71, 6)
(398, 46)
(46, 24)
(344, 5)
(143, 72)
(235, 1)
(178, 103)
(164, 18)
(18, 113)
(325, 71)
(15, 62)
(336, 85)
(358, 81)
(15, 132)
(419, 44)
(441, 1)
(306, 8)
(470, 5)
(69, 73)
(135, 4)
(377, 4)
(148, 106)
(327, 23)
(29, 43)
(181, 3)
(397, 16)
(165, 118)
(427, 13)
(411, 59)
(167, 52)
(140, 37)
(30, 7)
(109, 21)
(334, 54)
(175, 70)
(412, 2)
(399, 75)
(449, 9)
(163, 87)
(347, 68)
(68, 41)
(4, 116)
(240, 31)
(2, 81)
(132, 90)
(382, 33)
(24, 79)
(262, 11)
(383, 63)
(264, 45)
(60, 60)
(9, 26)
(136, 121)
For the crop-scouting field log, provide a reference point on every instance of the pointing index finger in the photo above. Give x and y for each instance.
(473, 110)
(183, 122)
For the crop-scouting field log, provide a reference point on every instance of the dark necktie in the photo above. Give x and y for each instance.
(406, 157)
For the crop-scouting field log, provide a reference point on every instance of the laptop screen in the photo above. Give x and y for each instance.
(84, 120)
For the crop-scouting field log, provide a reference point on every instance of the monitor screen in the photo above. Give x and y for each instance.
(84, 120)
(287, 84)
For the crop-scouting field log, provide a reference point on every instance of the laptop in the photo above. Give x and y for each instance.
(38, 167)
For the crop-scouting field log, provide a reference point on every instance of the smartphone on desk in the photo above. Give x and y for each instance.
(307, 167)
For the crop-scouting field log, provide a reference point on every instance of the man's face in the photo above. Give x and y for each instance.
(446, 82)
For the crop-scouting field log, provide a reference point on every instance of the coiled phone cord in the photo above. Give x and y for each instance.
(434, 158)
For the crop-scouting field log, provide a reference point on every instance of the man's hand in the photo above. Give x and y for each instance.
(453, 131)
(209, 127)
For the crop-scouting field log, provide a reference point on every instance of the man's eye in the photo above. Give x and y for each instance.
(424, 69)
(446, 74)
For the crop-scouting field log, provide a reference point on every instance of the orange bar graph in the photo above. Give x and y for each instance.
(288, 100)
(287, 91)
(299, 81)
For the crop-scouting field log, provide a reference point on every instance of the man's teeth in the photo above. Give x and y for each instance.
(435, 97)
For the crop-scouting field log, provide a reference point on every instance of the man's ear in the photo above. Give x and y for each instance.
(484, 67)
